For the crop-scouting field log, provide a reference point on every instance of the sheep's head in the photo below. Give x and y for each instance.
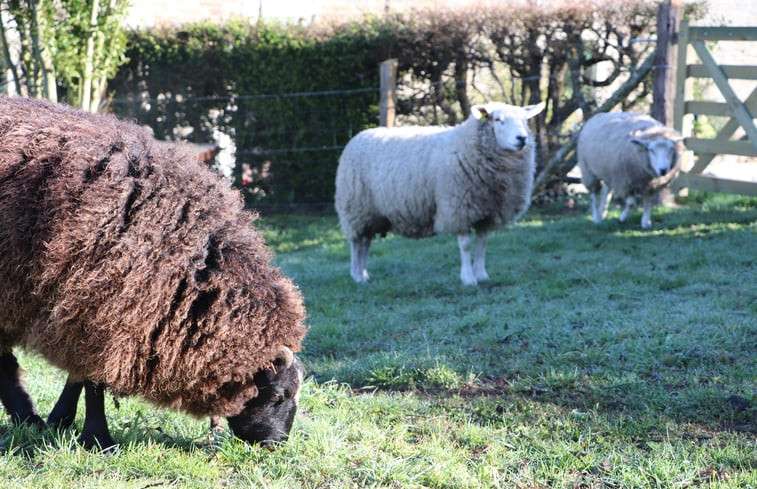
(508, 122)
(267, 418)
(662, 149)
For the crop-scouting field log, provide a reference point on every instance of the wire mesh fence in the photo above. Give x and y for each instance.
(281, 149)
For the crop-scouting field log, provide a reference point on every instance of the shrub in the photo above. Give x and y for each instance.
(291, 96)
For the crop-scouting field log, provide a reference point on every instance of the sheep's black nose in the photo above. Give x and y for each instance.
(521, 141)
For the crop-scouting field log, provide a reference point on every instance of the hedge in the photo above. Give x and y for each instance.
(291, 96)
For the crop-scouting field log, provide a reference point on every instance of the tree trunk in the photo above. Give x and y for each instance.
(87, 77)
(44, 61)
(13, 68)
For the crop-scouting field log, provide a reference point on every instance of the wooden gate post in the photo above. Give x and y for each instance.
(388, 88)
(664, 69)
(666, 56)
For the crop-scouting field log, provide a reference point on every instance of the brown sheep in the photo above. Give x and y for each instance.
(126, 263)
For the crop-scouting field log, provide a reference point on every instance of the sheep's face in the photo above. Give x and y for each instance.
(662, 153)
(267, 418)
(509, 122)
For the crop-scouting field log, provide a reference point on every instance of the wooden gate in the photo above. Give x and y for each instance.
(740, 112)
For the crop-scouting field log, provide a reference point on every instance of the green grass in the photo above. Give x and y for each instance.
(597, 356)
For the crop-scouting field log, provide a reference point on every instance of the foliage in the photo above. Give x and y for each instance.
(598, 356)
(29, 52)
(244, 81)
(241, 77)
(80, 70)
(54, 45)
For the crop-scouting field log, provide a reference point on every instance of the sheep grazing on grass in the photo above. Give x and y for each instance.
(126, 263)
(420, 181)
(629, 155)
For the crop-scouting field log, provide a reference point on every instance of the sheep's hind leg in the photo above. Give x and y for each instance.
(599, 205)
(466, 271)
(359, 259)
(479, 259)
(95, 430)
(63, 414)
(14, 397)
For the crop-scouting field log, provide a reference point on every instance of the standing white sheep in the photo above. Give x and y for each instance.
(630, 155)
(420, 181)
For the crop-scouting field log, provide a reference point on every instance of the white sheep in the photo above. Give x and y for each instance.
(420, 181)
(630, 155)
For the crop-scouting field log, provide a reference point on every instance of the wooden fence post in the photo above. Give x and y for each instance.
(666, 56)
(388, 88)
(664, 69)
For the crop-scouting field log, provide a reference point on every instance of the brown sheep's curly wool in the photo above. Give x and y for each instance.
(124, 261)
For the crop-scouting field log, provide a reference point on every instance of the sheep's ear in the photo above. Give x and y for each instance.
(532, 110)
(642, 144)
(480, 112)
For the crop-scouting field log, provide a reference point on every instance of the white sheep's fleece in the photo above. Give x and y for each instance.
(630, 156)
(419, 181)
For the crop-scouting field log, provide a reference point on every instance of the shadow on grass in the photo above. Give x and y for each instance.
(566, 302)
(32, 441)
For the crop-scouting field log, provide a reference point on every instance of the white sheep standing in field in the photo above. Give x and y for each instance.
(630, 155)
(420, 181)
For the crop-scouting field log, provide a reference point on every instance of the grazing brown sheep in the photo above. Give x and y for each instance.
(126, 263)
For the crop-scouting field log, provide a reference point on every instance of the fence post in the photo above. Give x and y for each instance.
(681, 124)
(388, 88)
(666, 56)
(664, 69)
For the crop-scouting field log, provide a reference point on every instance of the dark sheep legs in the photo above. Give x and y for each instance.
(95, 431)
(14, 397)
(20, 407)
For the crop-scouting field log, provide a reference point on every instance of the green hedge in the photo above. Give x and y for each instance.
(292, 96)
(245, 81)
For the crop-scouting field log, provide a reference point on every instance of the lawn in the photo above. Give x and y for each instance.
(597, 356)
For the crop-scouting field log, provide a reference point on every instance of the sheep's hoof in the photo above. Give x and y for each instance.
(482, 277)
(469, 281)
(30, 420)
(102, 443)
(60, 423)
(361, 278)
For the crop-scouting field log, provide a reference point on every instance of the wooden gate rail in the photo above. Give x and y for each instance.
(740, 112)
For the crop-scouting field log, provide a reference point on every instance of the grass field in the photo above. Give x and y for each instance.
(595, 357)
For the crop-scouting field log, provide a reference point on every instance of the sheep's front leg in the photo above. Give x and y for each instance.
(646, 217)
(95, 432)
(14, 397)
(595, 216)
(359, 259)
(479, 259)
(466, 271)
(630, 202)
(63, 414)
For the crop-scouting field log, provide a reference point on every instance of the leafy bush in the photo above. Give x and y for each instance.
(291, 96)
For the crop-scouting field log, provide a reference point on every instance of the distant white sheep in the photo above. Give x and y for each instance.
(420, 181)
(629, 155)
